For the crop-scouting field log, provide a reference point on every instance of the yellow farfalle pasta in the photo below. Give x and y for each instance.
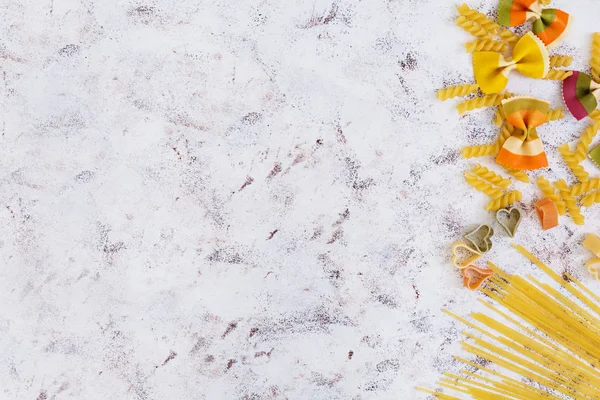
(486, 45)
(595, 61)
(490, 176)
(518, 175)
(480, 151)
(571, 202)
(560, 61)
(581, 188)
(473, 28)
(481, 19)
(550, 193)
(585, 141)
(558, 75)
(590, 199)
(484, 101)
(571, 161)
(456, 91)
(483, 186)
(505, 201)
(556, 114)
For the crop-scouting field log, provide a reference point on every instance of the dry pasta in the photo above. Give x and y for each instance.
(499, 117)
(456, 91)
(486, 45)
(571, 202)
(558, 75)
(505, 201)
(490, 176)
(571, 161)
(483, 186)
(595, 114)
(508, 36)
(590, 199)
(484, 22)
(480, 151)
(560, 61)
(484, 101)
(585, 141)
(519, 175)
(581, 188)
(550, 193)
(595, 61)
(472, 27)
(556, 114)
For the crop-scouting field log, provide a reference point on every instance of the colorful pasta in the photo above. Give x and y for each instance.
(571, 161)
(558, 75)
(490, 176)
(586, 140)
(550, 193)
(480, 151)
(595, 61)
(456, 91)
(571, 202)
(589, 199)
(484, 101)
(505, 201)
(560, 61)
(483, 186)
(486, 45)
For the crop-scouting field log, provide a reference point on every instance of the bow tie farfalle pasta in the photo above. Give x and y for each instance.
(550, 25)
(530, 58)
(524, 150)
(581, 94)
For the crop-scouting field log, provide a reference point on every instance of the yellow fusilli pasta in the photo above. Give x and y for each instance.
(559, 61)
(480, 102)
(506, 132)
(505, 201)
(483, 186)
(590, 199)
(481, 19)
(491, 177)
(585, 141)
(519, 175)
(480, 151)
(581, 188)
(473, 28)
(545, 2)
(486, 45)
(570, 201)
(508, 36)
(595, 114)
(499, 117)
(550, 193)
(571, 161)
(595, 61)
(558, 75)
(556, 114)
(456, 91)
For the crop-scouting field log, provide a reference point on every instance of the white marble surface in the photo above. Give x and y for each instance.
(225, 199)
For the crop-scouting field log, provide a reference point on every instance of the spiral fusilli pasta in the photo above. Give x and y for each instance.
(595, 61)
(473, 28)
(556, 114)
(545, 2)
(483, 186)
(480, 151)
(499, 117)
(595, 114)
(570, 201)
(480, 102)
(481, 19)
(505, 201)
(585, 141)
(550, 193)
(490, 176)
(519, 175)
(581, 188)
(508, 36)
(486, 45)
(558, 75)
(571, 161)
(590, 199)
(559, 61)
(456, 91)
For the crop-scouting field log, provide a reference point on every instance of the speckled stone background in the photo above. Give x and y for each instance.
(245, 199)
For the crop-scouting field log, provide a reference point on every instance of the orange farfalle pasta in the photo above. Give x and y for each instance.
(524, 150)
(548, 213)
(474, 277)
